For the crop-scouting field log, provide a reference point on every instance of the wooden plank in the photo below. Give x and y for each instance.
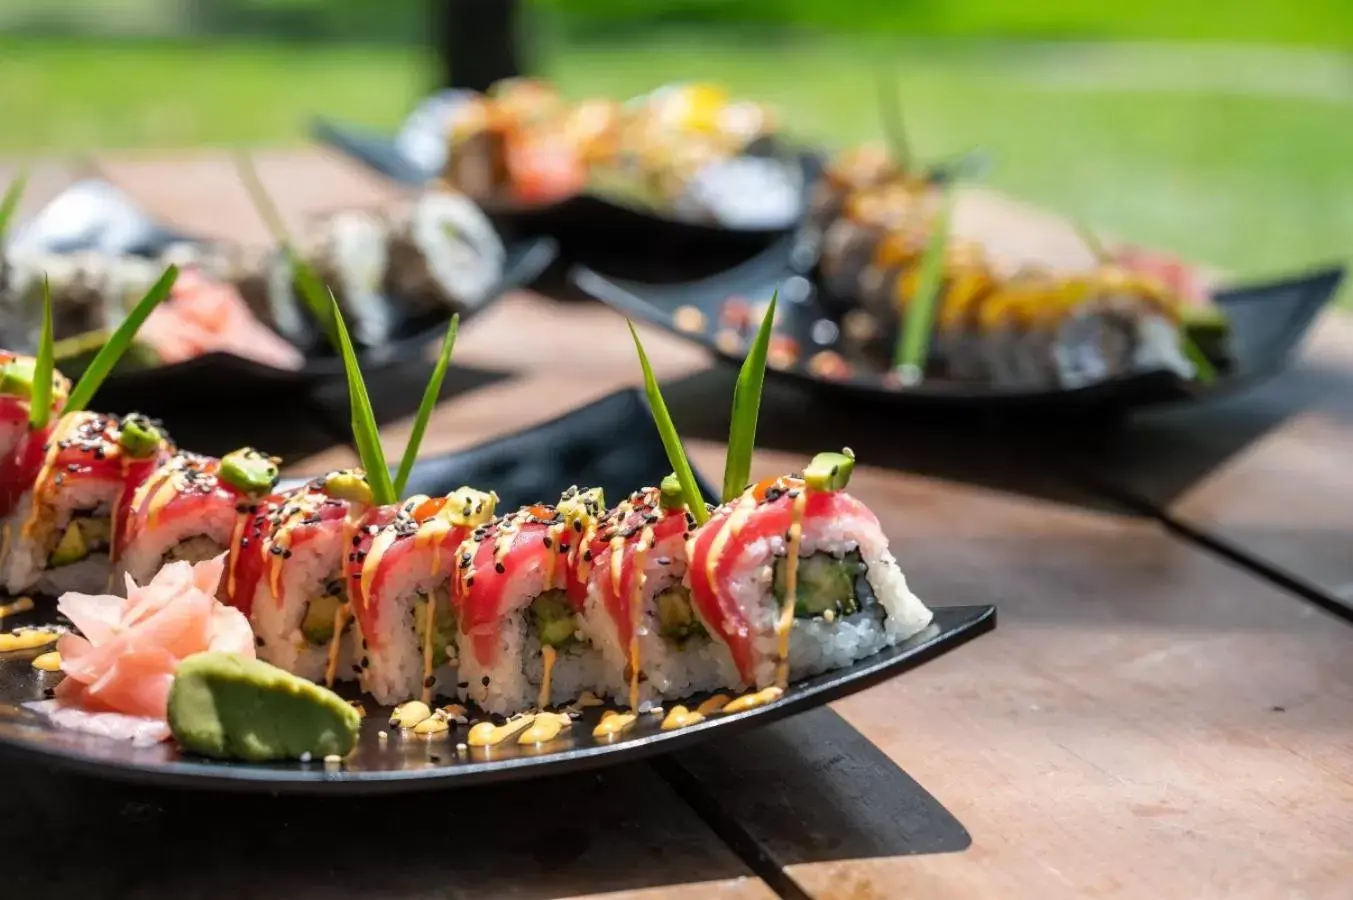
(1266, 472)
(621, 833)
(1143, 712)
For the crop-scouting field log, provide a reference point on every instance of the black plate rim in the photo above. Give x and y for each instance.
(970, 622)
(1149, 388)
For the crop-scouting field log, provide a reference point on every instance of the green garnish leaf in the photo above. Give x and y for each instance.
(737, 469)
(671, 441)
(1206, 371)
(40, 403)
(890, 114)
(11, 201)
(118, 342)
(1092, 242)
(308, 284)
(430, 395)
(914, 336)
(365, 434)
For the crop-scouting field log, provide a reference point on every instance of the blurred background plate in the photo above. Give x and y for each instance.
(1267, 322)
(93, 217)
(610, 444)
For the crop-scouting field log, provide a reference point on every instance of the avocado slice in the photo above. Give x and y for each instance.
(443, 626)
(349, 486)
(139, 436)
(829, 471)
(823, 583)
(226, 706)
(318, 624)
(553, 618)
(16, 378)
(249, 471)
(71, 548)
(676, 617)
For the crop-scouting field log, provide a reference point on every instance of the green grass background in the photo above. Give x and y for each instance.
(1221, 131)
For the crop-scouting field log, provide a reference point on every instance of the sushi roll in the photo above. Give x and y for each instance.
(520, 644)
(349, 254)
(443, 254)
(1114, 324)
(399, 565)
(188, 508)
(638, 611)
(60, 534)
(16, 394)
(286, 572)
(795, 577)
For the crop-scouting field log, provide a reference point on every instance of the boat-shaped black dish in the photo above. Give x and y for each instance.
(1267, 323)
(610, 443)
(105, 220)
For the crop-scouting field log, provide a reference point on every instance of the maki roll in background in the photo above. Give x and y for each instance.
(795, 577)
(286, 571)
(638, 610)
(189, 509)
(520, 640)
(443, 254)
(61, 534)
(400, 564)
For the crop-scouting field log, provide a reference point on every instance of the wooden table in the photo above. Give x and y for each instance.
(1164, 710)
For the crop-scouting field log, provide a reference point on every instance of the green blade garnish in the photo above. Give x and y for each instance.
(40, 403)
(430, 395)
(365, 434)
(890, 114)
(914, 336)
(671, 441)
(1092, 242)
(11, 201)
(312, 290)
(737, 469)
(118, 342)
(1206, 371)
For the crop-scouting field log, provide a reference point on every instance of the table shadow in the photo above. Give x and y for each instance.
(621, 829)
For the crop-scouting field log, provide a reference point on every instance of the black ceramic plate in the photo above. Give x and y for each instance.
(609, 443)
(92, 215)
(1267, 323)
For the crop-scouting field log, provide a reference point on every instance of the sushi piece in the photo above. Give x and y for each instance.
(16, 393)
(399, 569)
(444, 255)
(638, 612)
(348, 252)
(286, 571)
(187, 509)
(520, 644)
(1117, 323)
(61, 534)
(795, 577)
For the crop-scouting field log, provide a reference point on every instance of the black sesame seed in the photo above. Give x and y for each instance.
(365, 663)
(462, 684)
(429, 681)
(356, 540)
(469, 581)
(286, 554)
(499, 568)
(563, 548)
(357, 670)
(578, 525)
(548, 542)
(258, 640)
(587, 555)
(485, 680)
